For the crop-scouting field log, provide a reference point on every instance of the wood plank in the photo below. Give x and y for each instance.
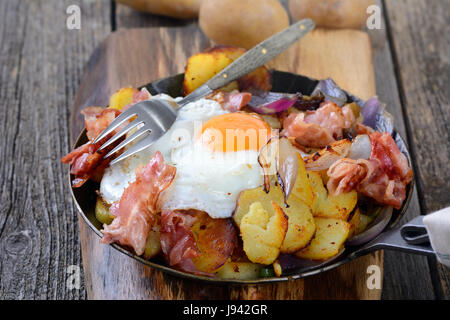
(421, 44)
(41, 63)
(400, 268)
(104, 267)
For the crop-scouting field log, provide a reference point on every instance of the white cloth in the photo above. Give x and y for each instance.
(438, 228)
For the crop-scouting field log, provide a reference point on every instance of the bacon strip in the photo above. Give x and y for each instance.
(232, 101)
(321, 127)
(177, 241)
(97, 119)
(383, 177)
(135, 213)
(345, 174)
(306, 134)
(395, 163)
(86, 160)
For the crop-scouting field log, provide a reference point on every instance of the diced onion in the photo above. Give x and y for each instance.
(361, 147)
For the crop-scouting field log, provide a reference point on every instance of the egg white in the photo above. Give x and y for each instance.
(205, 180)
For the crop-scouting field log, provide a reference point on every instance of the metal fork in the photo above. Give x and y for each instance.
(156, 116)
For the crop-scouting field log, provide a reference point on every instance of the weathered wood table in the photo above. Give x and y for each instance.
(41, 62)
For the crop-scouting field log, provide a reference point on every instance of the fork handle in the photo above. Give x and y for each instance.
(254, 58)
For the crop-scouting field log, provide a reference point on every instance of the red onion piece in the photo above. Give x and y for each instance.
(265, 102)
(371, 109)
(279, 157)
(287, 167)
(331, 91)
(374, 228)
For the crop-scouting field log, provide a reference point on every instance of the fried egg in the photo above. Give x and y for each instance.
(215, 153)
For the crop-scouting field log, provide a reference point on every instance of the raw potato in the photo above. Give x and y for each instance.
(153, 244)
(239, 271)
(121, 98)
(301, 226)
(215, 238)
(263, 233)
(102, 212)
(203, 66)
(327, 206)
(302, 188)
(332, 13)
(330, 236)
(242, 23)
(172, 8)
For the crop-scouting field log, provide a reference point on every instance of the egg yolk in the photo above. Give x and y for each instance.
(233, 132)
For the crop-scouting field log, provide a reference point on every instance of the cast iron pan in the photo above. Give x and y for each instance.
(409, 238)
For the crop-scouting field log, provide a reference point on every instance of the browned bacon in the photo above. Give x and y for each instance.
(383, 177)
(306, 134)
(86, 160)
(321, 127)
(97, 119)
(232, 101)
(395, 163)
(345, 174)
(362, 129)
(135, 212)
(177, 240)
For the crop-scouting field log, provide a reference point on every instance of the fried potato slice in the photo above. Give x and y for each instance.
(216, 239)
(239, 271)
(277, 268)
(263, 233)
(354, 222)
(302, 188)
(102, 213)
(203, 66)
(328, 240)
(364, 221)
(259, 78)
(153, 244)
(121, 98)
(327, 206)
(301, 226)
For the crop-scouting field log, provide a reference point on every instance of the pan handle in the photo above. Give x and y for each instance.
(412, 237)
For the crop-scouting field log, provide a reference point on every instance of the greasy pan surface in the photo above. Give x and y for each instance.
(85, 196)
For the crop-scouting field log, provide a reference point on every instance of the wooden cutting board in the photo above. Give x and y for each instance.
(134, 57)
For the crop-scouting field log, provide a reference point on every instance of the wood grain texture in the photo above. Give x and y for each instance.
(399, 268)
(113, 275)
(421, 44)
(41, 63)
